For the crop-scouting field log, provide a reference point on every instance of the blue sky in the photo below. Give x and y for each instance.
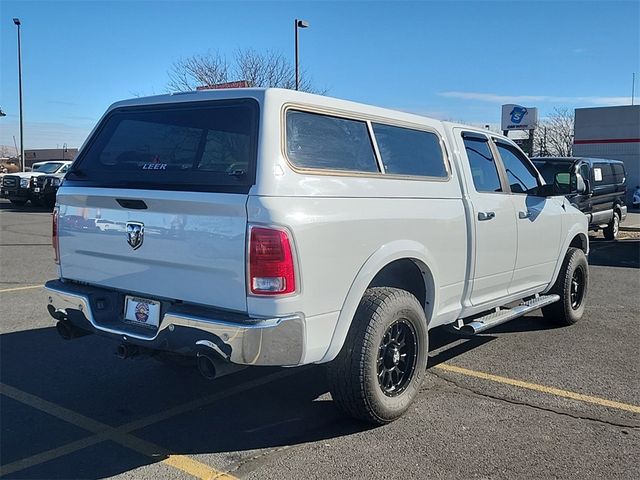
(452, 60)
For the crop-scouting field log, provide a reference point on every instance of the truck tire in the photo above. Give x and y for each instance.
(572, 285)
(378, 373)
(611, 230)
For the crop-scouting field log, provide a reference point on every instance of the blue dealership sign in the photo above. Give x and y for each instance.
(517, 117)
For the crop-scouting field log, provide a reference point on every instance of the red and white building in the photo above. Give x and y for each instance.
(610, 132)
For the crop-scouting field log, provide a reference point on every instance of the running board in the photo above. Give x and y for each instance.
(504, 315)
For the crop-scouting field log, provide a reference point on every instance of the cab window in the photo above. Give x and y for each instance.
(483, 166)
(521, 175)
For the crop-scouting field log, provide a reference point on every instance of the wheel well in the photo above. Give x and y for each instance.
(409, 275)
(579, 241)
(617, 208)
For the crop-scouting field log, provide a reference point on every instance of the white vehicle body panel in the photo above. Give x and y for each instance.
(537, 254)
(193, 244)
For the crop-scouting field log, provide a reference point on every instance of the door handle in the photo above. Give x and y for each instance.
(486, 215)
(524, 215)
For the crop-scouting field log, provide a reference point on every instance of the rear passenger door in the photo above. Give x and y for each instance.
(539, 221)
(493, 220)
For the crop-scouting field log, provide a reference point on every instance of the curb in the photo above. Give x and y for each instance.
(633, 228)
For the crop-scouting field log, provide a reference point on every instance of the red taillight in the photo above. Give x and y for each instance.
(54, 236)
(271, 267)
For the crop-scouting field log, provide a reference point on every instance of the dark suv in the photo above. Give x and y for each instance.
(605, 188)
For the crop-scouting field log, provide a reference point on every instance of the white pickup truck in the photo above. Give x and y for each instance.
(274, 227)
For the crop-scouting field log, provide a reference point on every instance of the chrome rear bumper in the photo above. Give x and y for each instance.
(253, 341)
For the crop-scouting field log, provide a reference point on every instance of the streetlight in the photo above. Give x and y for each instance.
(299, 24)
(17, 23)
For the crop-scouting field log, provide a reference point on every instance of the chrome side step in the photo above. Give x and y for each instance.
(504, 315)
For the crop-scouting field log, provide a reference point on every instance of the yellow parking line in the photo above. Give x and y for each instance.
(122, 434)
(603, 402)
(102, 432)
(15, 289)
(51, 454)
(195, 468)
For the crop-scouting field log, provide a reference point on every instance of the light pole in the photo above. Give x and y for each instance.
(299, 24)
(22, 162)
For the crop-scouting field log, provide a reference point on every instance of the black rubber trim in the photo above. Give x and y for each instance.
(132, 203)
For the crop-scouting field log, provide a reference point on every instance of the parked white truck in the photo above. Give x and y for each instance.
(274, 227)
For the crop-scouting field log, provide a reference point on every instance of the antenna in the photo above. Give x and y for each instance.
(633, 87)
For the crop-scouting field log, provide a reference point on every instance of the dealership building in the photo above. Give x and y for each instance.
(610, 132)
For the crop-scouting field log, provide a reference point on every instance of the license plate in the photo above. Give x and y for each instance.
(37, 190)
(142, 311)
(6, 192)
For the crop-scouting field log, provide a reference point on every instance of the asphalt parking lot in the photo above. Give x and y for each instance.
(524, 400)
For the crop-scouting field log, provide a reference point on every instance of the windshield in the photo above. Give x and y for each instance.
(204, 146)
(48, 167)
(550, 170)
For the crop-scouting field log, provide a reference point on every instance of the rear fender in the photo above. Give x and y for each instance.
(388, 253)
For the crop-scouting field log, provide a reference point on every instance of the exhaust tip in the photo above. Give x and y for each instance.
(65, 330)
(57, 314)
(126, 350)
(206, 366)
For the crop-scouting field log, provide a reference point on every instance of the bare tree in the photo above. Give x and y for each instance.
(5, 152)
(554, 135)
(259, 69)
(204, 69)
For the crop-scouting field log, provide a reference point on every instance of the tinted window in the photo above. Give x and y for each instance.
(197, 146)
(409, 152)
(602, 174)
(325, 142)
(557, 172)
(483, 166)
(549, 169)
(521, 176)
(618, 172)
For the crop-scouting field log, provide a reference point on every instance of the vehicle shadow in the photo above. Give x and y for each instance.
(7, 206)
(618, 253)
(175, 408)
(247, 411)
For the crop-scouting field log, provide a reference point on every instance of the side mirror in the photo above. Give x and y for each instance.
(581, 186)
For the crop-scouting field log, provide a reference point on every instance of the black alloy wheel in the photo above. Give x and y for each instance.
(397, 357)
(577, 287)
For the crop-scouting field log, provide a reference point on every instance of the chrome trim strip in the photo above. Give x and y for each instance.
(267, 341)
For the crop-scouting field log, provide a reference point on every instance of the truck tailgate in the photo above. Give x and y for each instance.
(192, 245)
